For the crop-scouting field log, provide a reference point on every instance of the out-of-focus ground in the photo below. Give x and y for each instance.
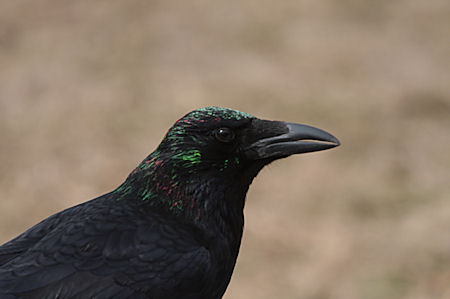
(88, 88)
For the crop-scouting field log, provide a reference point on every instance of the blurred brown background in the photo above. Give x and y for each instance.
(88, 88)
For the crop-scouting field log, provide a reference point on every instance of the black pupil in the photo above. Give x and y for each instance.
(224, 134)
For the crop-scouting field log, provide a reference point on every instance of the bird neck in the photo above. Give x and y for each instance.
(209, 201)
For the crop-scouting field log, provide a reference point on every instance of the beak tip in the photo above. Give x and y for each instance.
(305, 131)
(335, 141)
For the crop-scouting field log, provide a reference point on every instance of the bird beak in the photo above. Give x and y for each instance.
(298, 139)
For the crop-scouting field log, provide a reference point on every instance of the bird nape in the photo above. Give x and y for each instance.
(172, 230)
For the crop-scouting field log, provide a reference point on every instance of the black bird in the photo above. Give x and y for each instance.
(172, 230)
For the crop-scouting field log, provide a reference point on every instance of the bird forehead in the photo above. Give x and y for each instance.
(205, 119)
(208, 114)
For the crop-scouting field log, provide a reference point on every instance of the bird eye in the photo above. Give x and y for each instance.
(224, 134)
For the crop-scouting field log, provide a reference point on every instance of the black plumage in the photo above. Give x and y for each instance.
(172, 230)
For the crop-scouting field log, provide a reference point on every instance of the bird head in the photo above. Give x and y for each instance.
(217, 150)
(218, 139)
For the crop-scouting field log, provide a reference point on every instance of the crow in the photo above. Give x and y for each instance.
(172, 229)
